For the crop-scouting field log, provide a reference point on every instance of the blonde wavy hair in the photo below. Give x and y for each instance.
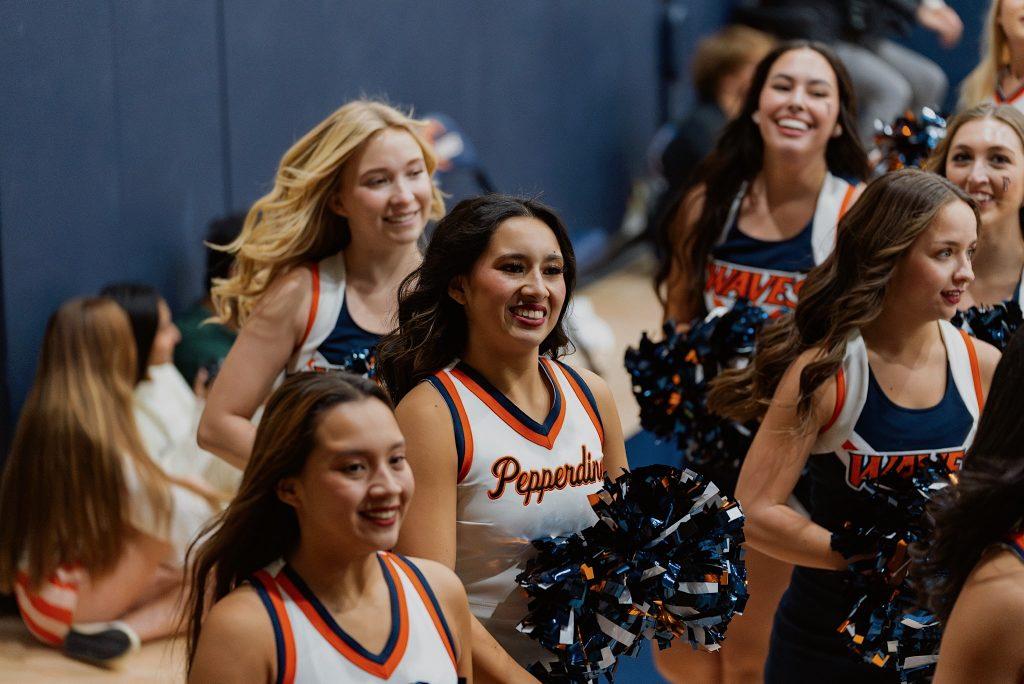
(980, 84)
(293, 224)
(63, 498)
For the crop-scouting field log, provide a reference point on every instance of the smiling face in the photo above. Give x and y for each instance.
(515, 291)
(356, 485)
(986, 159)
(798, 108)
(934, 272)
(385, 190)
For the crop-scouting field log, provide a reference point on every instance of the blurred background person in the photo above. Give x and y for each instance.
(999, 76)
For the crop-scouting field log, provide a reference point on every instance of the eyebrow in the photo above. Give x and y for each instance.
(550, 257)
(813, 81)
(383, 169)
(365, 453)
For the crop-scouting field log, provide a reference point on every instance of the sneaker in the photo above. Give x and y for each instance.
(101, 643)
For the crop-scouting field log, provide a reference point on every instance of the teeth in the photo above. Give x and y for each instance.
(401, 218)
(535, 314)
(981, 196)
(380, 515)
(794, 124)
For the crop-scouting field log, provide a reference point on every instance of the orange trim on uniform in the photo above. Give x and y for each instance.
(847, 200)
(44, 635)
(270, 584)
(840, 400)
(999, 99)
(972, 354)
(384, 670)
(583, 400)
(547, 442)
(427, 603)
(467, 431)
(42, 605)
(314, 305)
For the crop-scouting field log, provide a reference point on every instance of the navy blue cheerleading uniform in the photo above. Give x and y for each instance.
(769, 273)
(869, 437)
(332, 338)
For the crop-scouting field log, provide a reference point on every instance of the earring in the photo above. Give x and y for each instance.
(756, 118)
(838, 131)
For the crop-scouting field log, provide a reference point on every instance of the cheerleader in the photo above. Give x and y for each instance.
(999, 76)
(983, 153)
(319, 259)
(298, 569)
(505, 440)
(972, 570)
(761, 212)
(867, 375)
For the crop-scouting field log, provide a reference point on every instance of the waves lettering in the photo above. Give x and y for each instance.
(773, 290)
(533, 484)
(864, 467)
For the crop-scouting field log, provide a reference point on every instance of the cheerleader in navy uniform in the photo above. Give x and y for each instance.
(972, 568)
(506, 441)
(866, 379)
(760, 213)
(983, 153)
(296, 581)
(319, 260)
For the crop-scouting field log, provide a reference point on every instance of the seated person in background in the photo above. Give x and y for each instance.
(887, 77)
(166, 409)
(722, 68)
(204, 345)
(94, 532)
(999, 76)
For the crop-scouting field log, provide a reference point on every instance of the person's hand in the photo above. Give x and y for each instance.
(199, 387)
(943, 20)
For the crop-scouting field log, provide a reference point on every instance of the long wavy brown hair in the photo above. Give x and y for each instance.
(737, 158)
(293, 224)
(63, 499)
(432, 328)
(987, 503)
(258, 528)
(840, 296)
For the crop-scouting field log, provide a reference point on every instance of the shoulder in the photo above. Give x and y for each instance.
(594, 382)
(287, 292)
(826, 395)
(442, 580)
(988, 359)
(238, 618)
(238, 615)
(994, 587)
(423, 402)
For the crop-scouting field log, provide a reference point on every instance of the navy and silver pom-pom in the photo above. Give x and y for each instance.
(908, 140)
(885, 627)
(670, 383)
(663, 561)
(992, 324)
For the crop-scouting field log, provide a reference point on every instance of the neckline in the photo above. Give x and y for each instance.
(873, 384)
(325, 623)
(544, 433)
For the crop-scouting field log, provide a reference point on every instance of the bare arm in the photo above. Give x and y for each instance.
(452, 597)
(680, 284)
(257, 357)
(771, 470)
(236, 645)
(988, 359)
(614, 443)
(981, 643)
(428, 530)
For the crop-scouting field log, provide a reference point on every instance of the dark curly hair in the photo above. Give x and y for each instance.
(431, 325)
(988, 501)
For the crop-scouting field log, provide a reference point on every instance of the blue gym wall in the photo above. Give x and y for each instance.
(126, 125)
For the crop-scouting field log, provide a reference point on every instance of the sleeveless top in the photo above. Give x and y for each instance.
(518, 480)
(311, 646)
(1015, 98)
(1015, 543)
(868, 437)
(769, 273)
(331, 336)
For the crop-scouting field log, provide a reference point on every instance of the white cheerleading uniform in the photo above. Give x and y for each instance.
(518, 480)
(330, 335)
(757, 277)
(1015, 99)
(312, 647)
